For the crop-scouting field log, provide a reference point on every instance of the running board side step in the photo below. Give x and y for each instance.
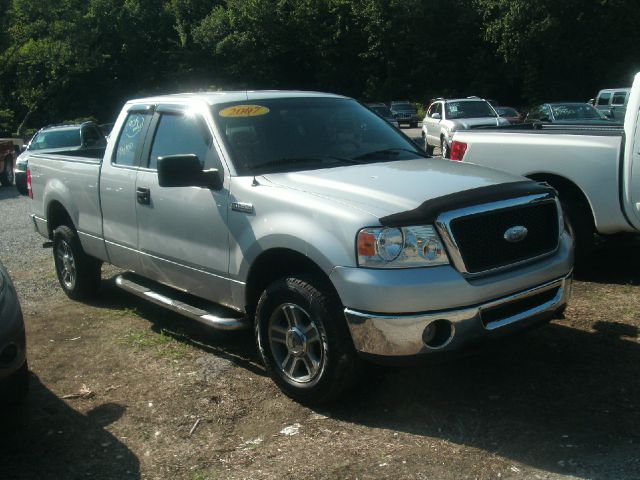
(217, 317)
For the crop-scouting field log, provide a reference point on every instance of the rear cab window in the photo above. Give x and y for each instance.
(619, 98)
(131, 139)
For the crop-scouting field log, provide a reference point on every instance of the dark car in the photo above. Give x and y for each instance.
(58, 138)
(382, 110)
(568, 113)
(14, 373)
(509, 113)
(405, 112)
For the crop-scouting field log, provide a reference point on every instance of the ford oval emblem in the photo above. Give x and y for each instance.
(516, 234)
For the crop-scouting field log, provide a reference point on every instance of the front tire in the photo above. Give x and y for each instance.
(580, 225)
(77, 272)
(303, 339)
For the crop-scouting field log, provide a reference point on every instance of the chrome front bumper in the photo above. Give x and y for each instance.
(402, 335)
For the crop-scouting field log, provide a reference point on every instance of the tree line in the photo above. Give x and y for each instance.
(66, 59)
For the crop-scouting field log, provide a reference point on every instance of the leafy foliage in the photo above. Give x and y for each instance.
(73, 58)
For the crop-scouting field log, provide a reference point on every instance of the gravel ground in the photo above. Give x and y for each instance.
(123, 389)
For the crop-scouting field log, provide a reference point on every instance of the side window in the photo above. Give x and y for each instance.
(181, 134)
(437, 109)
(619, 98)
(604, 97)
(131, 138)
(545, 112)
(91, 137)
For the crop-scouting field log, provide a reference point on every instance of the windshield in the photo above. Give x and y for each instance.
(576, 111)
(382, 111)
(402, 106)
(506, 112)
(56, 139)
(306, 133)
(468, 109)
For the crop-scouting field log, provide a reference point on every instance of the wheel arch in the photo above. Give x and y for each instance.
(566, 189)
(57, 215)
(277, 263)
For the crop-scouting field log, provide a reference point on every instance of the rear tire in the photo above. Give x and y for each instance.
(303, 339)
(580, 225)
(77, 272)
(444, 148)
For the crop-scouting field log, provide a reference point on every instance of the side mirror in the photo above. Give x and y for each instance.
(436, 116)
(186, 171)
(608, 114)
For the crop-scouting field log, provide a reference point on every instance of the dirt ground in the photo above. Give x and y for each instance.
(167, 398)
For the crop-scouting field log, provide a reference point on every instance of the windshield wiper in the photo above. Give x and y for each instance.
(302, 160)
(386, 152)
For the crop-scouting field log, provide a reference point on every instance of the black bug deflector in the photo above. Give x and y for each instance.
(428, 211)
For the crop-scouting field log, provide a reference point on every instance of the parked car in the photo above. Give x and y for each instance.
(309, 219)
(445, 117)
(510, 114)
(14, 372)
(382, 110)
(405, 112)
(595, 169)
(613, 102)
(7, 161)
(81, 136)
(567, 113)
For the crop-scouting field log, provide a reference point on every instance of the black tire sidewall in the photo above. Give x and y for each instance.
(321, 306)
(87, 281)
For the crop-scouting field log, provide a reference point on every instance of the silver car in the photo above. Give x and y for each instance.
(14, 373)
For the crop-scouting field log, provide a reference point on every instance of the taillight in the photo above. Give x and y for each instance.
(29, 183)
(457, 150)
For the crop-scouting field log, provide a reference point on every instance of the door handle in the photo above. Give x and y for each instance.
(144, 195)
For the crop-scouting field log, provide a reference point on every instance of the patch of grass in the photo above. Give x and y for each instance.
(125, 312)
(164, 345)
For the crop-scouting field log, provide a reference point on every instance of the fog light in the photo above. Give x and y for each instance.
(438, 334)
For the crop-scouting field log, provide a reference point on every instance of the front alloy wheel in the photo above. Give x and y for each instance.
(303, 339)
(296, 343)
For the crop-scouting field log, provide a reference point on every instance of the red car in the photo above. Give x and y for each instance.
(7, 161)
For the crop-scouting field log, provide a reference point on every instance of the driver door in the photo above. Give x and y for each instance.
(182, 231)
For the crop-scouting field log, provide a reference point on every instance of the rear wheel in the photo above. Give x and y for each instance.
(303, 339)
(444, 148)
(78, 273)
(580, 225)
(6, 176)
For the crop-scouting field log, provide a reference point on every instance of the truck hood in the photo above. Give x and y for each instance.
(386, 188)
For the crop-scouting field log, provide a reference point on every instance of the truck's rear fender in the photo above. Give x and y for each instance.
(568, 191)
(61, 209)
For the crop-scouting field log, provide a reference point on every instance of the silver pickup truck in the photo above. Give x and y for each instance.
(310, 219)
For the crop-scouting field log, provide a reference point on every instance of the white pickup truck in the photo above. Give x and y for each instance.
(310, 219)
(596, 171)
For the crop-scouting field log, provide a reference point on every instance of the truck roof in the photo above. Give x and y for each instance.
(213, 98)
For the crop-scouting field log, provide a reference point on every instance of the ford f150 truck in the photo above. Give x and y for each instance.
(596, 171)
(310, 219)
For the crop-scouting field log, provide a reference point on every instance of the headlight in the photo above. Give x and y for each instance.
(404, 247)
